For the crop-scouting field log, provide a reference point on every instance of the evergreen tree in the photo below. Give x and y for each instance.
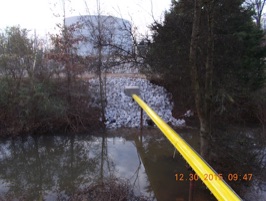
(218, 46)
(169, 51)
(238, 52)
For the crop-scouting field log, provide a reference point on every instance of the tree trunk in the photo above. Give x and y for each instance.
(102, 97)
(206, 132)
(199, 92)
(259, 6)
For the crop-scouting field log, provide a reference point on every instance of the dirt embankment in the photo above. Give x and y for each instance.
(87, 76)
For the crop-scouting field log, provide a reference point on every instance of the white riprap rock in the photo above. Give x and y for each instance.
(122, 111)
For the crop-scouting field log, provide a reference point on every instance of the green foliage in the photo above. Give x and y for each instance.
(16, 41)
(169, 52)
(238, 48)
(31, 99)
(239, 52)
(24, 109)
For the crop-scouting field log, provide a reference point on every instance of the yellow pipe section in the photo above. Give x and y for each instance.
(218, 187)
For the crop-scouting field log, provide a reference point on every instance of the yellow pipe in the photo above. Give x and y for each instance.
(217, 186)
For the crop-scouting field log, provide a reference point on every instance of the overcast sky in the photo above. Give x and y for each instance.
(40, 14)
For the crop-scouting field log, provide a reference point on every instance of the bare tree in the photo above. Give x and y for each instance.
(97, 35)
(257, 6)
(107, 43)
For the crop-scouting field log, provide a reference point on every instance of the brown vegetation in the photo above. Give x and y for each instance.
(112, 189)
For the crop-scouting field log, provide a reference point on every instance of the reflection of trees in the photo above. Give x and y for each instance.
(34, 166)
(148, 162)
(243, 155)
(75, 163)
(136, 173)
(22, 169)
(106, 164)
(156, 154)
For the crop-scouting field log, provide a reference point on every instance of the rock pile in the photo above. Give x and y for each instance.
(122, 111)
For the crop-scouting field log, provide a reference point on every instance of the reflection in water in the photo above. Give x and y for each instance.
(39, 167)
(257, 189)
(49, 167)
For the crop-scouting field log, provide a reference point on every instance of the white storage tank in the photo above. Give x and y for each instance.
(111, 33)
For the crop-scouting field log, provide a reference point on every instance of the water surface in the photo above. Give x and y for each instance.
(50, 167)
